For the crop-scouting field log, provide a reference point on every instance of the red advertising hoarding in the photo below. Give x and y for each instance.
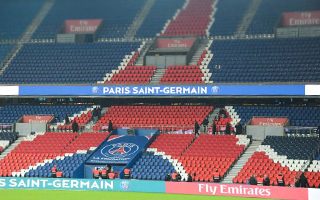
(36, 118)
(239, 190)
(311, 18)
(175, 43)
(82, 26)
(269, 121)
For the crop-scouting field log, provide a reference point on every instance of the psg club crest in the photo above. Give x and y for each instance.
(95, 90)
(124, 185)
(119, 150)
(215, 89)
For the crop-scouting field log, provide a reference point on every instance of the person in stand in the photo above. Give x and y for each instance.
(96, 173)
(75, 127)
(205, 124)
(318, 131)
(238, 129)
(280, 180)
(59, 174)
(104, 173)
(214, 128)
(111, 175)
(266, 180)
(66, 119)
(110, 126)
(228, 129)
(54, 171)
(196, 128)
(168, 177)
(174, 176)
(253, 180)
(189, 179)
(127, 173)
(108, 168)
(216, 176)
(303, 182)
(260, 180)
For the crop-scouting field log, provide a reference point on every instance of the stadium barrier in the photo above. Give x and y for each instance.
(199, 188)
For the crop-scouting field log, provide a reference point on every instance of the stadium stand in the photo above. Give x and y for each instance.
(287, 155)
(4, 50)
(66, 63)
(16, 16)
(133, 75)
(228, 17)
(185, 24)
(29, 153)
(165, 118)
(77, 152)
(268, 60)
(12, 113)
(159, 14)
(210, 152)
(269, 13)
(298, 115)
(160, 159)
(313, 174)
(117, 15)
(6, 139)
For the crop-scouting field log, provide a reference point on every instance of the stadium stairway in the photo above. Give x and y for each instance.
(137, 22)
(241, 162)
(11, 147)
(248, 17)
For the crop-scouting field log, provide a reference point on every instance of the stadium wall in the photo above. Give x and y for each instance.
(210, 189)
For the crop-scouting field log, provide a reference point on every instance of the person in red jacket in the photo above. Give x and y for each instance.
(54, 171)
(127, 173)
(260, 180)
(96, 173)
(104, 173)
(216, 176)
(280, 180)
(59, 174)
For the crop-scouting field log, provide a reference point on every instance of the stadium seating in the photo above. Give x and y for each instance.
(8, 136)
(298, 116)
(165, 118)
(151, 167)
(313, 174)
(16, 16)
(81, 119)
(182, 74)
(12, 113)
(228, 17)
(133, 75)
(78, 152)
(210, 152)
(117, 16)
(269, 13)
(160, 12)
(265, 60)
(185, 24)
(29, 153)
(4, 50)
(288, 155)
(66, 63)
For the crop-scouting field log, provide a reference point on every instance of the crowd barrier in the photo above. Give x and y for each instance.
(195, 188)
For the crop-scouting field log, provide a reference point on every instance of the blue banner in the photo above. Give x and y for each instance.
(120, 150)
(82, 184)
(164, 90)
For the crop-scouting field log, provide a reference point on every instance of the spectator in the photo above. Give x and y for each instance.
(228, 129)
(216, 176)
(111, 175)
(252, 180)
(110, 126)
(260, 180)
(214, 128)
(196, 128)
(108, 168)
(205, 124)
(168, 177)
(59, 174)
(174, 176)
(104, 173)
(94, 115)
(303, 182)
(127, 173)
(280, 180)
(266, 180)
(96, 173)
(99, 112)
(318, 131)
(66, 119)
(189, 179)
(54, 171)
(75, 127)
(238, 129)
